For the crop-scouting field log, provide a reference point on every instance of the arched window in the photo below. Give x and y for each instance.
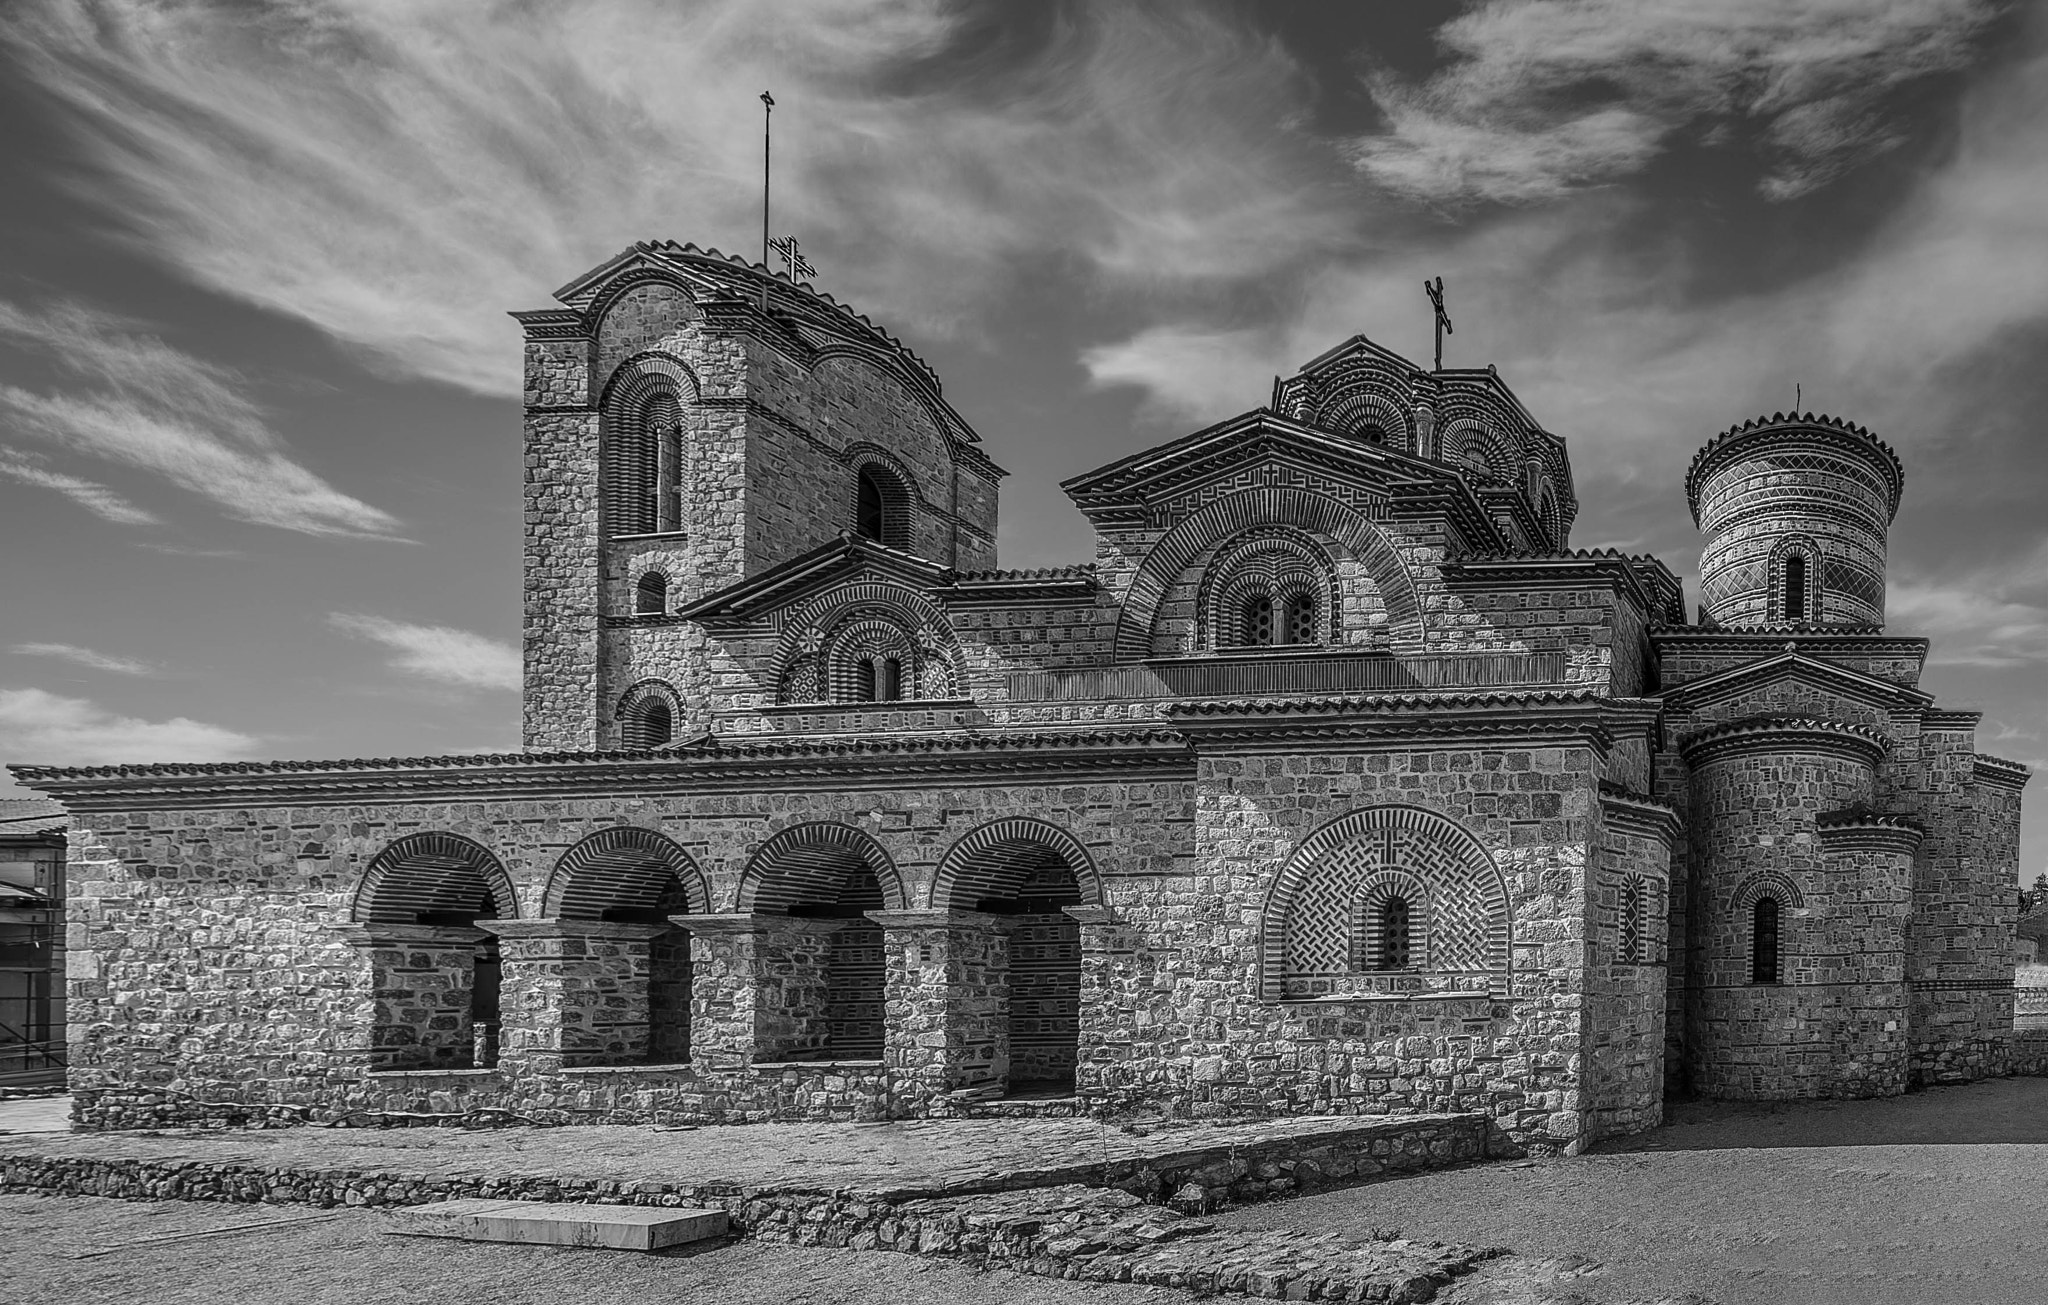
(870, 512)
(665, 432)
(1795, 587)
(1301, 619)
(1763, 941)
(864, 686)
(650, 596)
(1258, 621)
(891, 686)
(1395, 942)
(650, 724)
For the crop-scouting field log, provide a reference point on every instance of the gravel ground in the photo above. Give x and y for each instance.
(1940, 1196)
(346, 1258)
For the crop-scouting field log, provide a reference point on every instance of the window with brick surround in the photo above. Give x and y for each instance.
(1795, 587)
(647, 715)
(1301, 619)
(882, 501)
(1763, 941)
(1392, 952)
(650, 595)
(1630, 922)
(1258, 621)
(1271, 587)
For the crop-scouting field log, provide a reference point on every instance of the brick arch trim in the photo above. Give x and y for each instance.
(624, 867)
(431, 871)
(994, 856)
(892, 367)
(642, 375)
(824, 613)
(607, 299)
(1248, 509)
(809, 863)
(1768, 883)
(1471, 924)
(639, 692)
(1349, 412)
(1373, 894)
(1244, 565)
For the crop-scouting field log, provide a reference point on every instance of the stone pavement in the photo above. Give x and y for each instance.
(1245, 1160)
(40, 1114)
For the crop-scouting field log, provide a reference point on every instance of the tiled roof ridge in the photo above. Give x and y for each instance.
(1566, 555)
(690, 248)
(1779, 724)
(1421, 701)
(1076, 571)
(1774, 629)
(699, 747)
(1793, 421)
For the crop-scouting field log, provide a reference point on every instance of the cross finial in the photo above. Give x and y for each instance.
(793, 259)
(1435, 290)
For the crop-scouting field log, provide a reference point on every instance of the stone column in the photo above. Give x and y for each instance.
(948, 1002)
(575, 992)
(758, 988)
(1107, 951)
(422, 982)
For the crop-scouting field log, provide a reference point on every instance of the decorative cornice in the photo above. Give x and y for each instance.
(1859, 829)
(1564, 717)
(1844, 435)
(708, 765)
(2000, 773)
(1639, 813)
(554, 324)
(1782, 734)
(1794, 666)
(1602, 566)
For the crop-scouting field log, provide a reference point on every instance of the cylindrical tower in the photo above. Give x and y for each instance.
(1798, 914)
(1795, 508)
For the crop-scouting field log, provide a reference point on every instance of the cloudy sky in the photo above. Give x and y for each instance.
(258, 424)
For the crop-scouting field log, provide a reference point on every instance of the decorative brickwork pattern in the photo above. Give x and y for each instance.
(1309, 913)
(625, 870)
(433, 874)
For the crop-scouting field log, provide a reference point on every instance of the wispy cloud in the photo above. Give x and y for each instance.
(176, 416)
(88, 494)
(86, 657)
(44, 728)
(439, 652)
(1542, 96)
(1995, 615)
(399, 175)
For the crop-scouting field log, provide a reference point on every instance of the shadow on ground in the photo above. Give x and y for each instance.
(1999, 1111)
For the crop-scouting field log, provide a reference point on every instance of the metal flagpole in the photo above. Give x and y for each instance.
(767, 114)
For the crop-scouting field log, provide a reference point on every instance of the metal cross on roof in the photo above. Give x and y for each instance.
(1443, 319)
(800, 268)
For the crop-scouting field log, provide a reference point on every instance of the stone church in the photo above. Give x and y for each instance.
(1337, 782)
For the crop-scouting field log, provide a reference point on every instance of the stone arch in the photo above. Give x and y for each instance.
(899, 492)
(810, 863)
(1305, 939)
(1469, 443)
(625, 869)
(1265, 506)
(433, 874)
(804, 653)
(648, 715)
(643, 444)
(995, 859)
(1767, 883)
(1354, 412)
(1278, 563)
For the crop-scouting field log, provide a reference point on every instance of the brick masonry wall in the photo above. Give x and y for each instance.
(1835, 1022)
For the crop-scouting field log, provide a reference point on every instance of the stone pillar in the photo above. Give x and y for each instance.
(575, 992)
(758, 988)
(1107, 951)
(948, 999)
(422, 981)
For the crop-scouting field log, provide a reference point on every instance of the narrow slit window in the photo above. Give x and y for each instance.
(1763, 941)
(892, 680)
(1395, 944)
(1258, 622)
(1795, 587)
(864, 681)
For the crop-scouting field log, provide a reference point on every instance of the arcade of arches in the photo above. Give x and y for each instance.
(630, 966)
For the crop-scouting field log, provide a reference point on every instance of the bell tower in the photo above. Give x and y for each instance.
(691, 421)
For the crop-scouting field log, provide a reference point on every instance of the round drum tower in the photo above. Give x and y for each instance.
(1795, 509)
(1799, 961)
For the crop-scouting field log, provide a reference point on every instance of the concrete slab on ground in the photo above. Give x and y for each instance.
(558, 1223)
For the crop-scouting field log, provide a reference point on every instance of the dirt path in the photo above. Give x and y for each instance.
(1941, 1196)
